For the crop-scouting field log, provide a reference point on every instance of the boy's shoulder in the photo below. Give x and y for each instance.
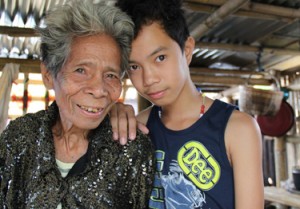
(241, 118)
(143, 116)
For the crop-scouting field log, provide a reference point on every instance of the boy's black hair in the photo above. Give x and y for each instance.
(168, 13)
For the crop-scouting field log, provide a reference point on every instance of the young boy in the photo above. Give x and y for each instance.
(208, 153)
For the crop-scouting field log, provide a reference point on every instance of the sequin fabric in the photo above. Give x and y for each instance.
(116, 176)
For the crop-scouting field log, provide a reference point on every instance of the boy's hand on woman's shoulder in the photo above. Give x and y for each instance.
(124, 123)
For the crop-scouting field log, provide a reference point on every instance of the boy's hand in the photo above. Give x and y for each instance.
(124, 123)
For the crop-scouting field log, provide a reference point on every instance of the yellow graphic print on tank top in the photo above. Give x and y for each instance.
(199, 165)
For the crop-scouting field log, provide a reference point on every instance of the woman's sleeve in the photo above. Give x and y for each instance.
(145, 176)
(4, 169)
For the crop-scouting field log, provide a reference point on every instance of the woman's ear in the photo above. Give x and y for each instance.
(47, 76)
(189, 48)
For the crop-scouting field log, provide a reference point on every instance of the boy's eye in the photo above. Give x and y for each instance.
(133, 67)
(160, 58)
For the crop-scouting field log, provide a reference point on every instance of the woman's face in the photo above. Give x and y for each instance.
(89, 83)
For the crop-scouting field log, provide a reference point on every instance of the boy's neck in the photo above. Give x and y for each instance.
(184, 111)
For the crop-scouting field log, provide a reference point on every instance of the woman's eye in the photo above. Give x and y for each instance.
(160, 58)
(112, 76)
(80, 70)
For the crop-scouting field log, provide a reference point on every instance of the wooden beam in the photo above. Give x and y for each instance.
(201, 76)
(228, 8)
(26, 65)
(197, 7)
(272, 10)
(225, 72)
(18, 32)
(212, 88)
(246, 48)
(265, 9)
(222, 80)
(209, 79)
(282, 196)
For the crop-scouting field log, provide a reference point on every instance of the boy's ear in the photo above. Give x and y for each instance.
(47, 76)
(189, 48)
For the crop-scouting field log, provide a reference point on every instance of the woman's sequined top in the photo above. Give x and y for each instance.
(107, 176)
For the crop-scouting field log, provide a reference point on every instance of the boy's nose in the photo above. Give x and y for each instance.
(150, 77)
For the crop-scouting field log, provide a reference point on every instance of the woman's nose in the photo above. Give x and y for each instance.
(97, 88)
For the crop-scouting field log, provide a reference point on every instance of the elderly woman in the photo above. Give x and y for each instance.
(65, 156)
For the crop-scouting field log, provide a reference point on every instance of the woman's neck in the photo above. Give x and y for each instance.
(69, 145)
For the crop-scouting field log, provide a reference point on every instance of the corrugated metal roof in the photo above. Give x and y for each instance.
(242, 28)
(273, 32)
(22, 14)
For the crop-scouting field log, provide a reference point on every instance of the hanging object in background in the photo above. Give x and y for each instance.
(25, 101)
(47, 99)
(279, 124)
(10, 73)
(258, 62)
(258, 101)
(25, 94)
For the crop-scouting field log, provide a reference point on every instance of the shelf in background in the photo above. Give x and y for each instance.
(280, 195)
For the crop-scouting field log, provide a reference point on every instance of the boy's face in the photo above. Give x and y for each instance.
(158, 67)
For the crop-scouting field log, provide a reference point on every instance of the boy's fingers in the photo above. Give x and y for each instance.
(124, 122)
(143, 128)
(113, 115)
(132, 122)
(121, 123)
(123, 127)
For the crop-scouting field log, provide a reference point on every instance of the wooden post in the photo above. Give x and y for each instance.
(280, 160)
(25, 93)
(280, 164)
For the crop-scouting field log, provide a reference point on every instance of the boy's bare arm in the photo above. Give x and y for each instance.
(244, 146)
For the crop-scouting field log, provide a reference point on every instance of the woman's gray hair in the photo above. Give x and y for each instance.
(81, 18)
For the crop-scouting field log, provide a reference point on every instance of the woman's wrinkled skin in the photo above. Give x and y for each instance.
(86, 87)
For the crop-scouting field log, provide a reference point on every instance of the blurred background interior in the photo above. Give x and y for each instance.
(247, 53)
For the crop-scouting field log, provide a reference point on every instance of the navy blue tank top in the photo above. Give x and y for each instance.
(193, 170)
